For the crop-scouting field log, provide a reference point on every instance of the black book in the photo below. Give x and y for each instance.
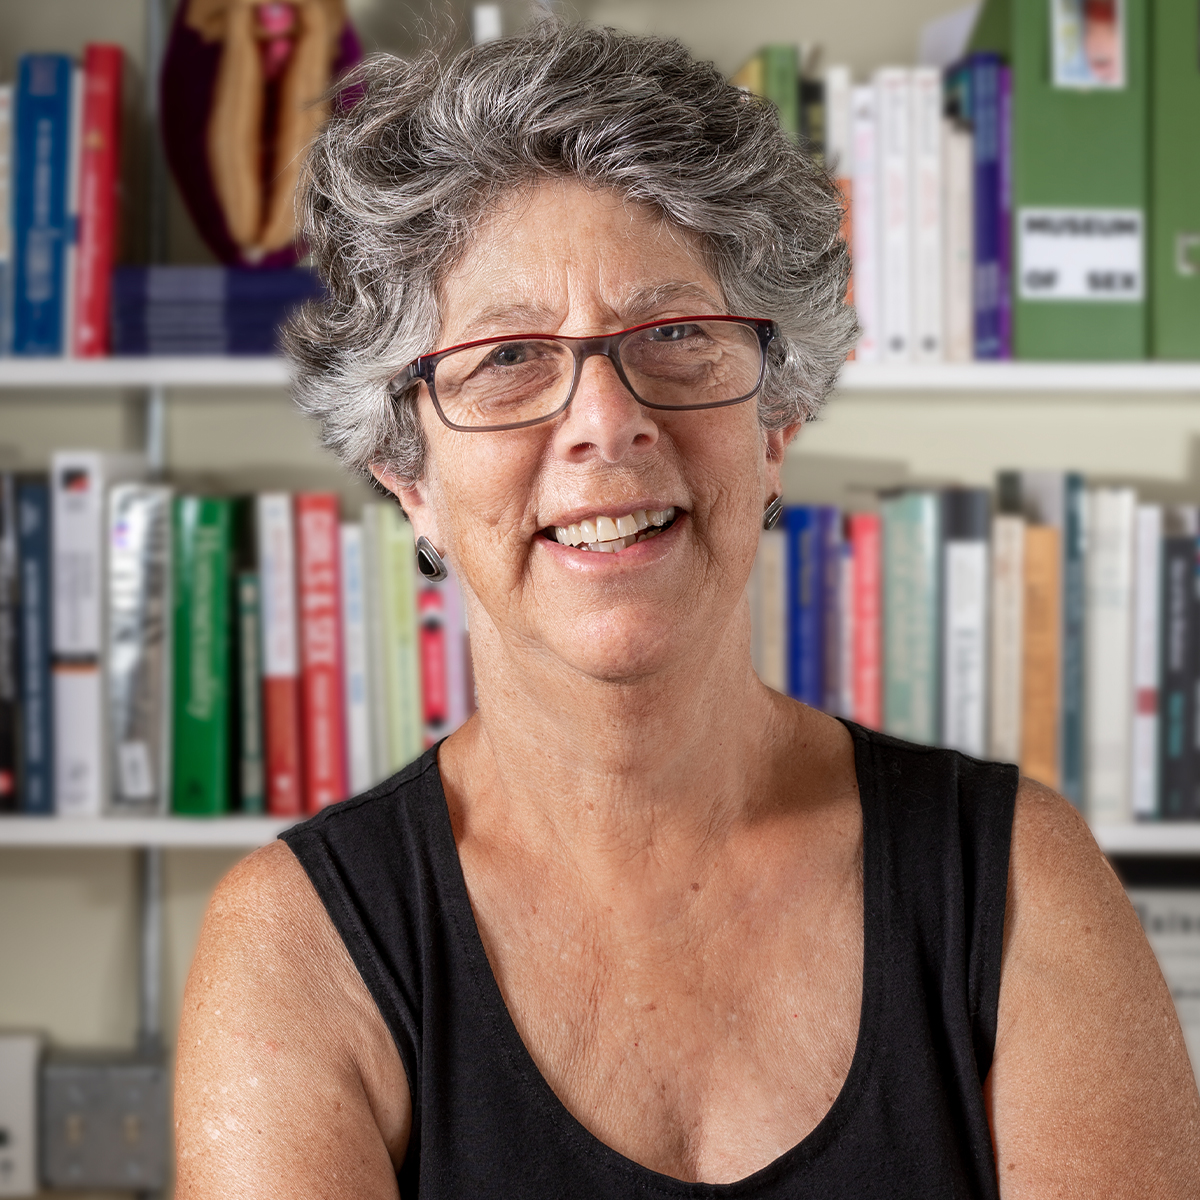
(1177, 749)
(8, 643)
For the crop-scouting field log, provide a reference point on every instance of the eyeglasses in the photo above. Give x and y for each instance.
(511, 382)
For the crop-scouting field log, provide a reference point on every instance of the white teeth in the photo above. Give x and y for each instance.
(626, 526)
(642, 521)
(563, 535)
(587, 531)
(610, 534)
(606, 529)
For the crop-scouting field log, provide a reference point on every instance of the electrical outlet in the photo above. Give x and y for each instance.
(19, 1054)
(104, 1123)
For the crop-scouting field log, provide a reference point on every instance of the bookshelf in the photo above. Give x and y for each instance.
(133, 833)
(98, 374)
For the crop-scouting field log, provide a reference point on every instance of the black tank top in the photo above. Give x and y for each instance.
(910, 1118)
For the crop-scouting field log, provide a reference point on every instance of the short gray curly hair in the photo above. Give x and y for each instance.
(409, 166)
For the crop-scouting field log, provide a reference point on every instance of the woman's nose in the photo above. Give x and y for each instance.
(604, 418)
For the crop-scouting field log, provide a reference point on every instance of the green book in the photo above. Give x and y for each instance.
(250, 770)
(203, 551)
(911, 660)
(774, 74)
(405, 724)
(1080, 196)
(1175, 179)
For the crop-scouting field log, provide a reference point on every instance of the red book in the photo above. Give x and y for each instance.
(281, 678)
(863, 531)
(99, 180)
(323, 716)
(435, 694)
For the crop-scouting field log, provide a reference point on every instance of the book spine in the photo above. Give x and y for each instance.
(1176, 763)
(1004, 312)
(1147, 611)
(927, 214)
(6, 204)
(986, 111)
(867, 541)
(373, 517)
(1008, 637)
(1074, 533)
(356, 683)
(9, 649)
(323, 709)
(829, 531)
(460, 685)
(846, 639)
(203, 554)
(138, 649)
(805, 602)
(772, 614)
(894, 91)
(865, 223)
(911, 676)
(1041, 686)
(958, 248)
(280, 653)
(78, 571)
(251, 766)
(70, 266)
(402, 668)
(43, 127)
(37, 725)
(1110, 558)
(965, 621)
(435, 685)
(781, 83)
(98, 183)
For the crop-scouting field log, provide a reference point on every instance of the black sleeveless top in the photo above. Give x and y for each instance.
(909, 1120)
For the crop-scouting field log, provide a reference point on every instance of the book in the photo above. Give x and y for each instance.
(356, 682)
(374, 516)
(846, 635)
(864, 535)
(911, 667)
(958, 241)
(770, 620)
(966, 520)
(1174, 188)
(774, 74)
(864, 230)
(70, 264)
(1109, 705)
(275, 534)
(832, 571)
(927, 214)
(1176, 762)
(6, 238)
(80, 480)
(138, 650)
(9, 648)
(40, 190)
(318, 572)
(36, 700)
(251, 765)
(203, 706)
(460, 678)
(1040, 658)
(811, 529)
(1007, 637)
(399, 648)
(435, 683)
(1147, 612)
(99, 183)
(1080, 179)
(894, 128)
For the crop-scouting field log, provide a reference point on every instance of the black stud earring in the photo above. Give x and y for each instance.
(429, 562)
(773, 512)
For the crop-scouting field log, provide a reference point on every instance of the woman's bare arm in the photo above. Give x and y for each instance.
(1091, 1089)
(288, 1083)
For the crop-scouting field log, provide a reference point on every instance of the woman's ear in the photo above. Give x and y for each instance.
(414, 499)
(777, 442)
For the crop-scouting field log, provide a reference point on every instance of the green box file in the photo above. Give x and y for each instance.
(203, 528)
(1175, 179)
(1078, 150)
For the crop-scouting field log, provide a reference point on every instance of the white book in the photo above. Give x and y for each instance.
(958, 244)
(354, 661)
(926, 208)
(1147, 620)
(373, 533)
(279, 624)
(79, 482)
(965, 649)
(74, 171)
(893, 88)
(459, 677)
(6, 168)
(839, 138)
(1008, 637)
(771, 615)
(1109, 654)
(864, 223)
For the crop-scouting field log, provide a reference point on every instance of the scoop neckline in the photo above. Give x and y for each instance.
(494, 1009)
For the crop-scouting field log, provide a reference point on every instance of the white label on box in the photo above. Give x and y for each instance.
(1081, 254)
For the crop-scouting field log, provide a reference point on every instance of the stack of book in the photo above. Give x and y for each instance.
(1039, 198)
(211, 654)
(1049, 624)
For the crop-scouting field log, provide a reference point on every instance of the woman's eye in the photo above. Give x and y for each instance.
(673, 333)
(506, 356)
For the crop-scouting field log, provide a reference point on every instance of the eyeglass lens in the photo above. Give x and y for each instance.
(692, 364)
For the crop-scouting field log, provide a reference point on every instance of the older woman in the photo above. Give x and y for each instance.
(642, 926)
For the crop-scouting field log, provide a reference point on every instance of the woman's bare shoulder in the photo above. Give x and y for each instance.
(284, 1062)
(1091, 1088)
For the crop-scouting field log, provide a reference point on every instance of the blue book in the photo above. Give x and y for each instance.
(810, 529)
(833, 554)
(41, 230)
(37, 729)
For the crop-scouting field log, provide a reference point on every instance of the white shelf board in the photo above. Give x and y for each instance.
(201, 371)
(173, 832)
(992, 377)
(1180, 838)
